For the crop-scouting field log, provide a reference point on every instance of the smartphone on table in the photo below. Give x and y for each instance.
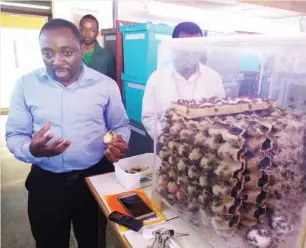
(136, 207)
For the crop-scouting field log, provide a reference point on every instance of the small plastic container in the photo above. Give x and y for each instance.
(137, 180)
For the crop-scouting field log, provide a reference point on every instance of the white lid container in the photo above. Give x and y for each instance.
(137, 180)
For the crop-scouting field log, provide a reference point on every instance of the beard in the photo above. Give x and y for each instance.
(62, 75)
(185, 66)
(186, 63)
(187, 72)
(88, 43)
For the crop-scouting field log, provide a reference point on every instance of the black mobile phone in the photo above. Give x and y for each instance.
(125, 220)
(136, 207)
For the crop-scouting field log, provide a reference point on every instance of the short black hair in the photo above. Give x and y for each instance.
(91, 17)
(61, 23)
(188, 28)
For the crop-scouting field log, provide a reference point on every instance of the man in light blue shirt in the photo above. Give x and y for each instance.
(58, 118)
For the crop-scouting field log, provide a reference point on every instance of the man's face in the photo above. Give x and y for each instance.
(62, 54)
(89, 31)
(186, 35)
(185, 59)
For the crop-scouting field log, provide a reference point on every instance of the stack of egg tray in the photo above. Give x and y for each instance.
(234, 169)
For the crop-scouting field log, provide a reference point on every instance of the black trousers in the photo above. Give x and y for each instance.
(57, 200)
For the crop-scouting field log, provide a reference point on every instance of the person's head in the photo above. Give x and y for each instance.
(62, 50)
(89, 28)
(186, 61)
(187, 30)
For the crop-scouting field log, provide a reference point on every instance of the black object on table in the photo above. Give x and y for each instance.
(126, 221)
(140, 141)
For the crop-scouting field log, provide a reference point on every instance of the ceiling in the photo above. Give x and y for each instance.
(46, 4)
(237, 7)
(234, 7)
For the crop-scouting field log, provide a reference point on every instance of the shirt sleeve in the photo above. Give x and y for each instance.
(19, 126)
(150, 113)
(115, 114)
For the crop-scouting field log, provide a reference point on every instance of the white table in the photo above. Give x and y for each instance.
(107, 184)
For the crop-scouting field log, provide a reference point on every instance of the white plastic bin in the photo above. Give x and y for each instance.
(138, 180)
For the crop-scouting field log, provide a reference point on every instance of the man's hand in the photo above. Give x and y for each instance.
(116, 150)
(39, 147)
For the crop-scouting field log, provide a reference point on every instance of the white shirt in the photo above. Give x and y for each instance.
(165, 85)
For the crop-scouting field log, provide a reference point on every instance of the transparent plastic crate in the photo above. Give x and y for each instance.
(253, 196)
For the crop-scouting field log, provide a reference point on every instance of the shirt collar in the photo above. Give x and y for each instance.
(43, 74)
(85, 75)
(98, 48)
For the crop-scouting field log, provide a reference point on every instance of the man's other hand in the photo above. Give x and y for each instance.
(116, 150)
(39, 147)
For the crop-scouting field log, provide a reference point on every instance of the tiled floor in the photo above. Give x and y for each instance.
(15, 229)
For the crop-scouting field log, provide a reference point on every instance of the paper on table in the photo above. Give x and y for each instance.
(147, 232)
(145, 237)
(175, 244)
(137, 240)
(169, 214)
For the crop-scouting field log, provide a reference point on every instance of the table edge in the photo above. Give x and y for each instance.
(104, 209)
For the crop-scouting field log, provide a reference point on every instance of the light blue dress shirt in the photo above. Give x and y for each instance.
(82, 113)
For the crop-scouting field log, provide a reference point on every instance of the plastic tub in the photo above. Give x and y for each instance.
(138, 180)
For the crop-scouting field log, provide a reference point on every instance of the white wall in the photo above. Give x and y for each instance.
(138, 11)
(15, 62)
(144, 10)
(297, 22)
(214, 21)
(68, 9)
(73, 10)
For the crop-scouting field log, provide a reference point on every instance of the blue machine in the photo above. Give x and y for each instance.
(140, 52)
(140, 47)
(133, 90)
(250, 63)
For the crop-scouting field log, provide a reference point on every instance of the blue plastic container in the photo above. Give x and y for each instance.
(140, 47)
(250, 63)
(133, 90)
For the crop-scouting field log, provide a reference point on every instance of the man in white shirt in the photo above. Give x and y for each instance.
(187, 79)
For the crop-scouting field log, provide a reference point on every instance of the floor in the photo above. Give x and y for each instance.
(15, 229)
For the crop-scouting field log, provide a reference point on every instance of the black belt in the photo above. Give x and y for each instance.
(104, 166)
(74, 175)
(70, 176)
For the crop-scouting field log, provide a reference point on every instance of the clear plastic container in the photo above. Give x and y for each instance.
(233, 167)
